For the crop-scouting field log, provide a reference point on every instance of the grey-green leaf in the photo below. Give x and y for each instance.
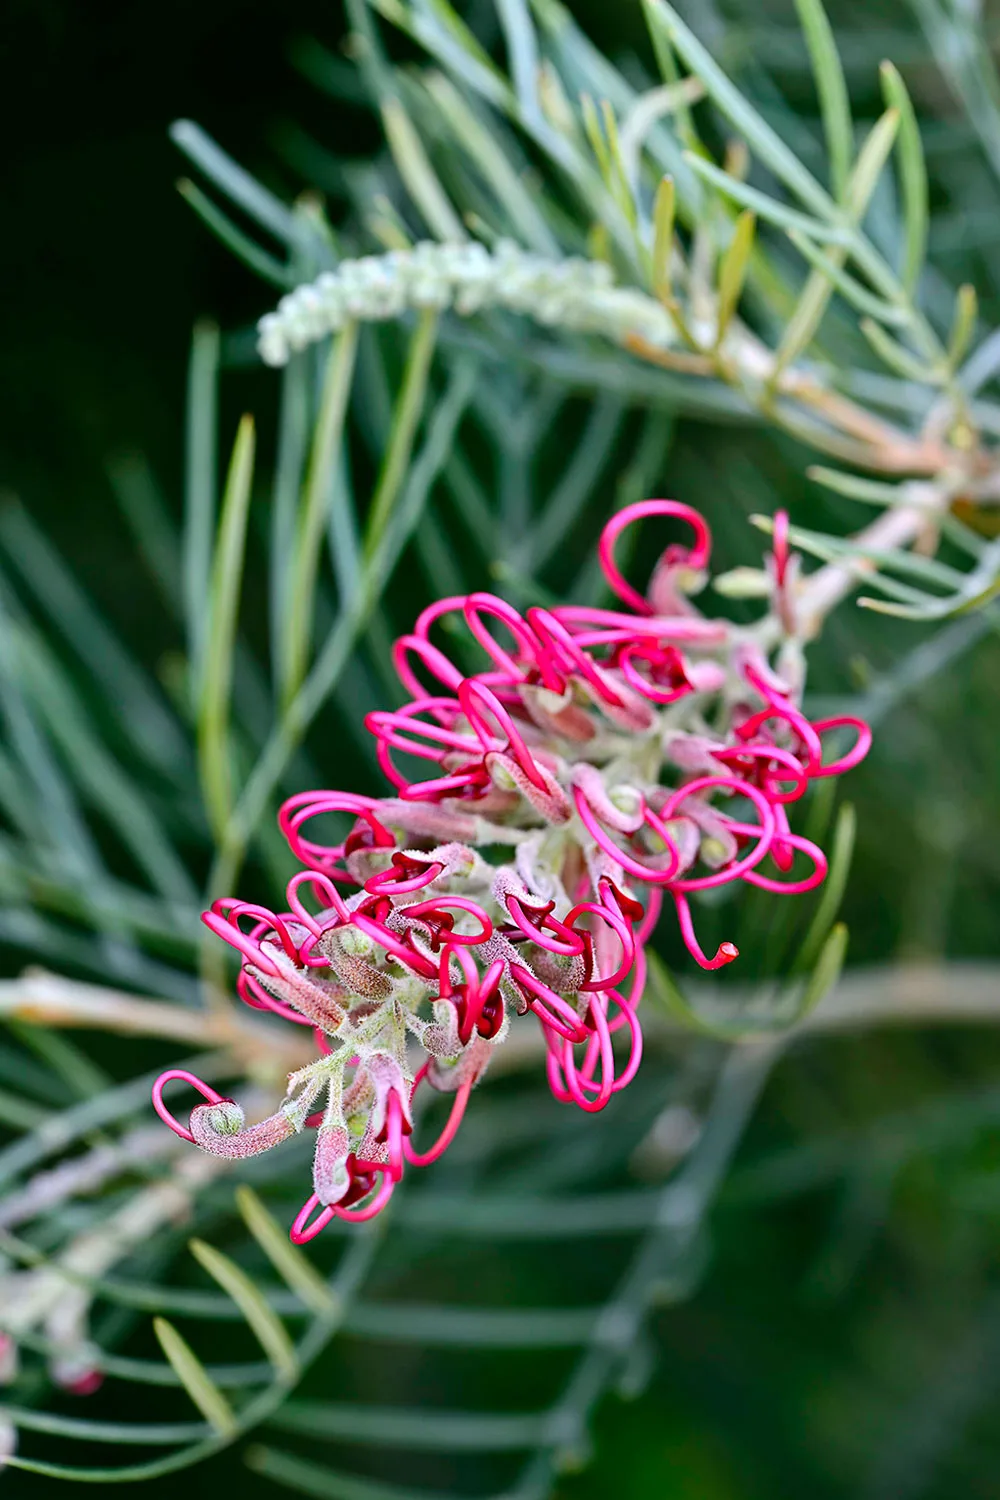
(267, 1326)
(195, 1379)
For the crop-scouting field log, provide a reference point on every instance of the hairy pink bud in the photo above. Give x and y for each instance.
(219, 1129)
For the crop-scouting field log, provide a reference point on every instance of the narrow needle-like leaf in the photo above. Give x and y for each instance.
(199, 492)
(290, 1263)
(819, 286)
(831, 88)
(409, 405)
(267, 266)
(733, 270)
(912, 173)
(766, 207)
(195, 1379)
(763, 140)
(664, 209)
(833, 888)
(847, 285)
(300, 598)
(897, 358)
(963, 324)
(227, 572)
(267, 1326)
(420, 179)
(827, 971)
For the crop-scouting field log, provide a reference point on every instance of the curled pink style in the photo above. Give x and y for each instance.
(399, 948)
(628, 862)
(621, 927)
(542, 928)
(478, 605)
(448, 1134)
(204, 1089)
(858, 751)
(478, 1003)
(554, 1011)
(434, 660)
(696, 557)
(779, 547)
(305, 806)
(775, 767)
(443, 922)
(793, 887)
(406, 873)
(477, 700)
(724, 954)
(564, 656)
(667, 680)
(224, 920)
(362, 1185)
(762, 833)
(334, 910)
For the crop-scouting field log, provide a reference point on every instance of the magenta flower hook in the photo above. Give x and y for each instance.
(696, 558)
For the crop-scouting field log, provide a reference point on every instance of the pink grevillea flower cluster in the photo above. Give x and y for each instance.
(597, 761)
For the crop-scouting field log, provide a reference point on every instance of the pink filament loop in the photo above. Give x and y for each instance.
(779, 546)
(468, 693)
(253, 993)
(580, 1081)
(570, 1082)
(627, 862)
(388, 729)
(657, 657)
(395, 946)
(771, 779)
(763, 832)
(396, 727)
(779, 707)
(543, 929)
(499, 609)
(562, 650)
(471, 783)
(452, 605)
(592, 626)
(430, 656)
(324, 887)
(463, 903)
(205, 1090)
(696, 557)
(302, 1231)
(372, 1209)
(793, 887)
(444, 1140)
(551, 1009)
(647, 925)
(300, 1234)
(724, 954)
(223, 919)
(622, 929)
(304, 806)
(854, 756)
(404, 875)
(478, 1006)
